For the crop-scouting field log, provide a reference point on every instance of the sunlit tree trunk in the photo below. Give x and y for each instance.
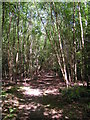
(31, 66)
(61, 50)
(60, 58)
(82, 42)
(21, 56)
(17, 55)
(87, 45)
(74, 46)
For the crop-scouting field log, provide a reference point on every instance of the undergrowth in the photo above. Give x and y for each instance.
(76, 93)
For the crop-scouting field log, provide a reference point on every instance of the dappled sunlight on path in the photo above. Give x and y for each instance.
(31, 92)
(35, 99)
(39, 99)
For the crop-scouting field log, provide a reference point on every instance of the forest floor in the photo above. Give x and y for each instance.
(42, 99)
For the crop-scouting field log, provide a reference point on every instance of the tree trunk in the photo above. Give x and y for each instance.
(61, 51)
(3, 15)
(9, 61)
(74, 46)
(58, 56)
(17, 55)
(82, 42)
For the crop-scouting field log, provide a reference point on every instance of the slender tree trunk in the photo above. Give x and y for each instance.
(61, 50)
(3, 15)
(82, 42)
(9, 61)
(31, 67)
(62, 67)
(74, 45)
(14, 49)
(24, 62)
(17, 55)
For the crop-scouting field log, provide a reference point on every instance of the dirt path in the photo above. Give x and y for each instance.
(37, 99)
(40, 99)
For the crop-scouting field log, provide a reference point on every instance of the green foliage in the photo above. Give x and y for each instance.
(88, 106)
(76, 93)
(11, 110)
(12, 90)
(26, 34)
(11, 114)
(3, 93)
(78, 55)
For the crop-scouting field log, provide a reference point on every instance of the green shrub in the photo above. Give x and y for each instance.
(75, 93)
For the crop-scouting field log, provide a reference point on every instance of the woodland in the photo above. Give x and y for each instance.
(45, 61)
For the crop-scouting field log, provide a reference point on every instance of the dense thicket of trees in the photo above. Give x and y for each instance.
(46, 36)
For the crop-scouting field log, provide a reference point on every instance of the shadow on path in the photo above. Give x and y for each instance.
(40, 100)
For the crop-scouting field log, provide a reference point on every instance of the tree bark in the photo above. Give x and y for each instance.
(62, 67)
(9, 61)
(74, 45)
(61, 50)
(17, 55)
(3, 15)
(82, 42)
